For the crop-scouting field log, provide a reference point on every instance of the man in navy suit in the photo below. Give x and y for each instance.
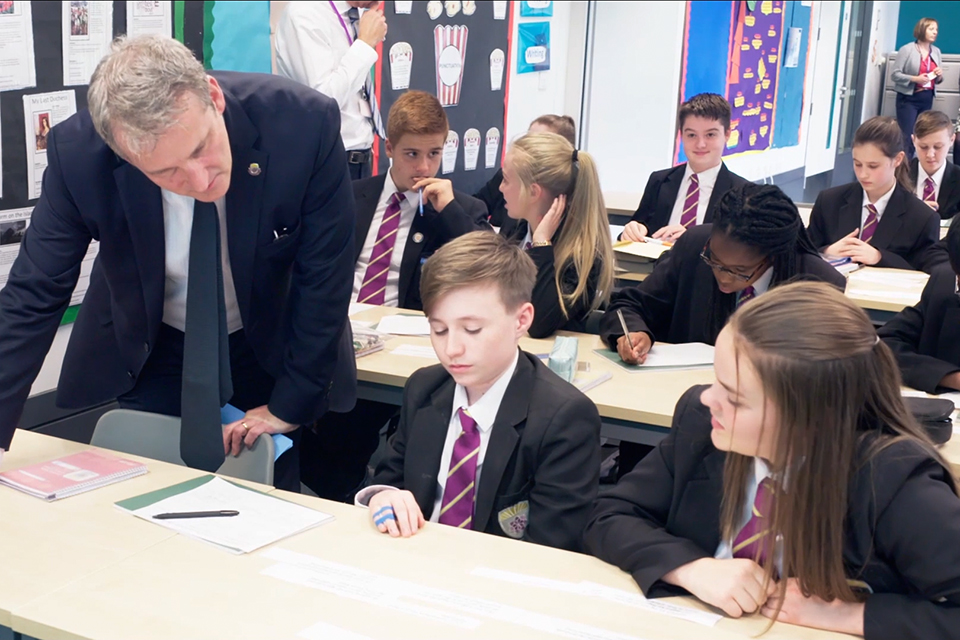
(161, 137)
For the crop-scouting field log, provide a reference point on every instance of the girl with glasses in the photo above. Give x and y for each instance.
(756, 241)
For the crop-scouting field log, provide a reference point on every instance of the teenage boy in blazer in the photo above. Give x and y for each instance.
(490, 439)
(937, 179)
(926, 337)
(416, 129)
(704, 125)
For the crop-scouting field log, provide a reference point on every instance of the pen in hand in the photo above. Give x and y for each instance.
(626, 332)
(196, 514)
(420, 191)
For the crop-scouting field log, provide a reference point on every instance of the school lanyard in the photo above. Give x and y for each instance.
(343, 24)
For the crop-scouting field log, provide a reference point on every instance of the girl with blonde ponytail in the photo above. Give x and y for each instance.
(556, 212)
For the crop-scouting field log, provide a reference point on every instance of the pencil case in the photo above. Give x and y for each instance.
(563, 357)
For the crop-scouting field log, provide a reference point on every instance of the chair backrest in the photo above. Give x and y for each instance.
(157, 436)
(592, 324)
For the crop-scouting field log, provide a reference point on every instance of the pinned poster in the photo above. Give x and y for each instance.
(402, 7)
(18, 69)
(434, 9)
(450, 47)
(499, 10)
(534, 47)
(536, 9)
(401, 62)
(452, 7)
(471, 148)
(87, 30)
(450, 148)
(42, 112)
(149, 18)
(492, 146)
(497, 61)
(469, 7)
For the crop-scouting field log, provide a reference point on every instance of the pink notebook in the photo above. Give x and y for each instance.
(72, 474)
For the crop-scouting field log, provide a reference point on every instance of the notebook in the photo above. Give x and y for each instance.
(690, 355)
(73, 474)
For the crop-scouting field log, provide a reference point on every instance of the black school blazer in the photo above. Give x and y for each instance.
(674, 303)
(949, 196)
(902, 533)
(906, 231)
(544, 451)
(926, 338)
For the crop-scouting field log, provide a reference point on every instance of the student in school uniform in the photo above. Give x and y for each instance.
(926, 337)
(756, 242)
(678, 198)
(797, 485)
(937, 179)
(556, 213)
(393, 239)
(490, 439)
(393, 235)
(877, 220)
(490, 194)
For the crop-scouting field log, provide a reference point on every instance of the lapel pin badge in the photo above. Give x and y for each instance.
(253, 169)
(418, 237)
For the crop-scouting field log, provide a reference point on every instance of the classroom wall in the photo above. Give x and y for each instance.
(946, 14)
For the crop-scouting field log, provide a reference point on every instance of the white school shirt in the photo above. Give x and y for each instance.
(762, 285)
(409, 207)
(313, 49)
(936, 177)
(177, 229)
(707, 180)
(761, 471)
(484, 412)
(880, 204)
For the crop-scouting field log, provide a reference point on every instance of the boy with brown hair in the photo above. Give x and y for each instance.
(395, 233)
(937, 179)
(686, 195)
(490, 439)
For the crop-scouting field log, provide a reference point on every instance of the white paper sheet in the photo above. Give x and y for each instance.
(416, 351)
(18, 68)
(324, 631)
(263, 519)
(41, 112)
(400, 325)
(87, 32)
(690, 354)
(357, 307)
(149, 18)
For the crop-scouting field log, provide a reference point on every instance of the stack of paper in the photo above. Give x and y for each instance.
(690, 355)
(72, 474)
(263, 518)
(650, 250)
(888, 284)
(404, 325)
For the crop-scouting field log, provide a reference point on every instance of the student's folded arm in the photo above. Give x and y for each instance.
(567, 476)
(926, 240)
(390, 468)
(648, 204)
(918, 532)
(892, 260)
(456, 220)
(627, 527)
(902, 334)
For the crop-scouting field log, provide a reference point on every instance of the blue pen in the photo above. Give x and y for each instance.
(421, 201)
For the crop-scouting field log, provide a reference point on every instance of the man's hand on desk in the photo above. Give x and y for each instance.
(246, 430)
(395, 511)
(950, 381)
(734, 585)
(641, 346)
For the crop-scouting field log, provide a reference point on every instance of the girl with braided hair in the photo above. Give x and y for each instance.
(756, 242)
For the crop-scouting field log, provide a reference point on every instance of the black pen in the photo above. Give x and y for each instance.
(196, 514)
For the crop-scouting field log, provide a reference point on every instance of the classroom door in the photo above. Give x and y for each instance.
(832, 20)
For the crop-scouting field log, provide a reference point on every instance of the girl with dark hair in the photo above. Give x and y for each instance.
(797, 485)
(756, 241)
(877, 220)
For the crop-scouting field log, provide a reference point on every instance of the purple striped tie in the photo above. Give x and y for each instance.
(929, 191)
(689, 216)
(870, 226)
(752, 541)
(748, 293)
(374, 285)
(456, 509)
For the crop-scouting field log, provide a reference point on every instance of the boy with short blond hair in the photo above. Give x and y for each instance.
(490, 439)
(937, 179)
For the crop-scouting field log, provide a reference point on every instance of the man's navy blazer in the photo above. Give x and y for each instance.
(290, 225)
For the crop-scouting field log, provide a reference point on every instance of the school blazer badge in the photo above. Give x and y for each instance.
(513, 519)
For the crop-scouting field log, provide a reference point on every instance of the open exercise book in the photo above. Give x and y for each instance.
(263, 518)
(689, 355)
(73, 474)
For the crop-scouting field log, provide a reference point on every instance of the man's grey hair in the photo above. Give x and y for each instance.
(137, 91)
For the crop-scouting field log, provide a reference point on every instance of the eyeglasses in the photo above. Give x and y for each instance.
(716, 266)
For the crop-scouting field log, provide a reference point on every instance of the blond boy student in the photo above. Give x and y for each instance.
(490, 439)
(936, 179)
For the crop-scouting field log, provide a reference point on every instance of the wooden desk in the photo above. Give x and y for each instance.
(883, 301)
(637, 407)
(181, 588)
(50, 545)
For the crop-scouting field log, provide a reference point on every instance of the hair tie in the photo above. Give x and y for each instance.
(575, 155)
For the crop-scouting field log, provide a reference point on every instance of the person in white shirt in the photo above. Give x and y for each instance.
(331, 47)
(937, 179)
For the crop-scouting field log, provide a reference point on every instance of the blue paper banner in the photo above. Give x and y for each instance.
(534, 47)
